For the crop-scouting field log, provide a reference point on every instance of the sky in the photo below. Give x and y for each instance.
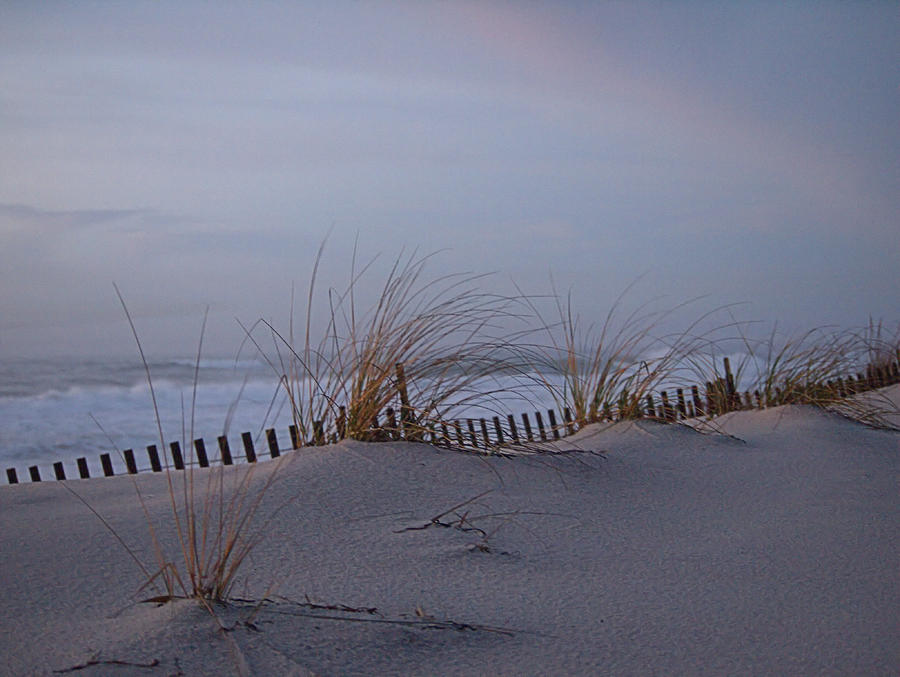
(196, 154)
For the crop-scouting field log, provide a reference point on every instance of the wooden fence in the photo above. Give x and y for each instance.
(478, 434)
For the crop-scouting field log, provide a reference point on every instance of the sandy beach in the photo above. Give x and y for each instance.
(639, 548)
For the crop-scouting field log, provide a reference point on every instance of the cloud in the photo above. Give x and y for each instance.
(17, 218)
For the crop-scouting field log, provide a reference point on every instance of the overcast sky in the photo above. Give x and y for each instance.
(197, 153)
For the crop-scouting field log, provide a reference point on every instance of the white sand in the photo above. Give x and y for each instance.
(677, 553)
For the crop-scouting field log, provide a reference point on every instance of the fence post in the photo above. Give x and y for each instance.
(11, 476)
(35, 473)
(651, 406)
(295, 438)
(83, 468)
(59, 471)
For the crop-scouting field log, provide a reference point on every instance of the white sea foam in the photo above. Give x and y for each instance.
(48, 410)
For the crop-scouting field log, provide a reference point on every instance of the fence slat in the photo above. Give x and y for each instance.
(106, 462)
(540, 425)
(341, 423)
(458, 434)
(711, 409)
(318, 433)
(153, 455)
(249, 451)
(11, 476)
(59, 471)
(570, 425)
(272, 439)
(472, 435)
(224, 450)
(406, 411)
(35, 473)
(391, 423)
(484, 434)
(732, 398)
(129, 462)
(525, 422)
(695, 396)
(664, 396)
(83, 471)
(177, 458)
(512, 428)
(498, 431)
(200, 448)
(554, 428)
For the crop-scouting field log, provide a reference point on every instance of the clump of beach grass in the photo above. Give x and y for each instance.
(606, 372)
(426, 346)
(217, 521)
(882, 346)
(817, 367)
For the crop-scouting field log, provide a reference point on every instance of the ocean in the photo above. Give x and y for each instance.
(61, 409)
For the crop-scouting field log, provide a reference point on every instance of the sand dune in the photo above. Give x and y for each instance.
(645, 549)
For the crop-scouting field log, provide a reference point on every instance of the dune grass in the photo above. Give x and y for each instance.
(213, 512)
(430, 345)
(822, 367)
(606, 372)
(423, 348)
